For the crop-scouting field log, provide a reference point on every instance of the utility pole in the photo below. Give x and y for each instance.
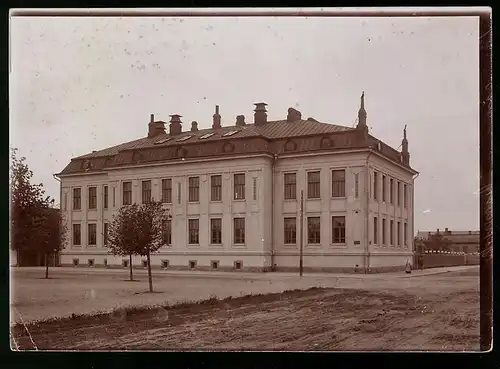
(301, 263)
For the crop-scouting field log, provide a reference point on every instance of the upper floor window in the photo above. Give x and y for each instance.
(166, 191)
(405, 234)
(356, 185)
(106, 196)
(127, 193)
(194, 189)
(77, 198)
(383, 188)
(398, 194)
(391, 189)
(254, 188)
(146, 192)
(290, 180)
(375, 185)
(391, 234)
(405, 200)
(313, 185)
(105, 234)
(399, 233)
(338, 183)
(290, 230)
(216, 188)
(383, 232)
(375, 230)
(239, 186)
(239, 230)
(338, 229)
(92, 197)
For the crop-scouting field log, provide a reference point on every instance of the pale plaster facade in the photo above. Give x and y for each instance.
(264, 210)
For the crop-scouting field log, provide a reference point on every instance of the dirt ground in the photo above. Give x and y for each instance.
(408, 316)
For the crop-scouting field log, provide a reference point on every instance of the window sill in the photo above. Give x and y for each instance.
(313, 245)
(193, 246)
(290, 200)
(338, 245)
(239, 246)
(216, 245)
(313, 198)
(216, 201)
(239, 200)
(193, 202)
(338, 197)
(290, 245)
(77, 210)
(77, 246)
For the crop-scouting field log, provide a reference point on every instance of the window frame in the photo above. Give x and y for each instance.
(239, 188)
(218, 231)
(338, 184)
(391, 232)
(239, 233)
(166, 190)
(194, 232)
(77, 200)
(146, 194)
(166, 232)
(194, 189)
(92, 235)
(313, 185)
(92, 197)
(290, 188)
(127, 200)
(216, 187)
(289, 233)
(105, 196)
(341, 240)
(105, 234)
(79, 226)
(310, 239)
(384, 231)
(375, 231)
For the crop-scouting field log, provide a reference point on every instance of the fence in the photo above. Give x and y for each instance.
(435, 260)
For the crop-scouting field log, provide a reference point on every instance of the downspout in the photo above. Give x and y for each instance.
(367, 223)
(275, 157)
(413, 214)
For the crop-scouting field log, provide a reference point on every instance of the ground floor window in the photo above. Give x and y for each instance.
(338, 229)
(313, 230)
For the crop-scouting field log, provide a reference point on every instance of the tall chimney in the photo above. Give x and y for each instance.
(175, 124)
(293, 115)
(155, 128)
(194, 126)
(217, 118)
(260, 116)
(240, 120)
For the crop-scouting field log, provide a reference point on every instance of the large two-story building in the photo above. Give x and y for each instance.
(234, 194)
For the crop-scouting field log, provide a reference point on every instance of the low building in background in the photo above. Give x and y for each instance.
(456, 241)
(234, 194)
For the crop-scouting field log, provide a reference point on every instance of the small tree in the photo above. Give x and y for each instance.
(437, 242)
(137, 230)
(52, 233)
(122, 235)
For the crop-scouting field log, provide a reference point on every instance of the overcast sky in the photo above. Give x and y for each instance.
(83, 84)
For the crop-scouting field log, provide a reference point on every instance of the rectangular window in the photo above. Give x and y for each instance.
(92, 197)
(391, 234)
(105, 234)
(166, 227)
(106, 197)
(239, 230)
(239, 186)
(65, 201)
(216, 231)
(114, 197)
(338, 229)
(398, 194)
(356, 185)
(92, 234)
(399, 233)
(146, 192)
(383, 188)
(194, 231)
(254, 188)
(290, 231)
(313, 185)
(375, 230)
(179, 188)
(313, 230)
(383, 232)
(391, 188)
(194, 189)
(405, 200)
(216, 188)
(77, 234)
(127, 193)
(405, 234)
(375, 185)
(166, 191)
(77, 198)
(290, 180)
(338, 183)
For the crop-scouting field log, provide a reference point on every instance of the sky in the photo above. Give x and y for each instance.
(83, 84)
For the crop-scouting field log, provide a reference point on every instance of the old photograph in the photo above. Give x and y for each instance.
(244, 182)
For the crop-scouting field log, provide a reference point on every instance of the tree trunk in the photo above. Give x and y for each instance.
(149, 274)
(130, 265)
(46, 265)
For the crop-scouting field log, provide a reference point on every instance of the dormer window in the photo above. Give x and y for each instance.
(184, 138)
(230, 133)
(163, 141)
(206, 135)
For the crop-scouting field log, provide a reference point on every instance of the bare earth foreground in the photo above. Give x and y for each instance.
(427, 310)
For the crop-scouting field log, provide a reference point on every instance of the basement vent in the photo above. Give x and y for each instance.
(184, 138)
(165, 264)
(144, 263)
(215, 264)
(76, 262)
(206, 135)
(105, 263)
(238, 265)
(125, 263)
(230, 133)
(90, 262)
(192, 264)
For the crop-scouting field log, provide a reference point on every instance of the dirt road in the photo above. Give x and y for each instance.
(316, 319)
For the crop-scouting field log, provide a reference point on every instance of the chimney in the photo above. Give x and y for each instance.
(175, 125)
(194, 126)
(260, 116)
(437, 230)
(217, 118)
(293, 115)
(446, 230)
(240, 120)
(155, 128)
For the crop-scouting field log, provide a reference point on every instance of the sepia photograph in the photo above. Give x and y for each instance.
(271, 180)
